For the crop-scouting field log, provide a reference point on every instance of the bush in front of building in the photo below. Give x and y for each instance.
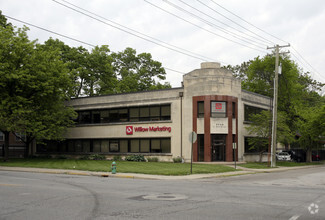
(137, 158)
(178, 160)
(117, 158)
(153, 159)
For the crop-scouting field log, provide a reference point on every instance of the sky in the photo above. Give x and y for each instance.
(181, 34)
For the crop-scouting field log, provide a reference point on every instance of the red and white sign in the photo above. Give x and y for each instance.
(129, 130)
(218, 107)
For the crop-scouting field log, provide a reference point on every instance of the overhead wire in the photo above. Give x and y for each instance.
(137, 35)
(70, 38)
(232, 34)
(198, 26)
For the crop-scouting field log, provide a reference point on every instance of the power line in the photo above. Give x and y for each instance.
(242, 38)
(70, 38)
(136, 35)
(202, 27)
(248, 22)
(264, 39)
(44, 29)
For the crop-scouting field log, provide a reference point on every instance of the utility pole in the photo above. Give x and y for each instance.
(275, 103)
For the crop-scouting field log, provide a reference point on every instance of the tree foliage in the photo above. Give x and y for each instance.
(33, 85)
(299, 101)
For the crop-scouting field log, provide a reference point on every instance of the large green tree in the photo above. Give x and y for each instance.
(138, 72)
(298, 93)
(33, 85)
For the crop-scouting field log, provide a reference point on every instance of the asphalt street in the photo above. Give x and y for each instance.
(291, 195)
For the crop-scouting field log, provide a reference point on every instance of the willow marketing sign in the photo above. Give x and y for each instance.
(130, 129)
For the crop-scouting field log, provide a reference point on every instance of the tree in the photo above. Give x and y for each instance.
(33, 85)
(137, 72)
(298, 93)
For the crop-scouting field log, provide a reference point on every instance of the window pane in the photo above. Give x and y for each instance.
(96, 116)
(165, 145)
(144, 114)
(96, 145)
(105, 146)
(124, 146)
(123, 114)
(78, 146)
(70, 146)
(134, 146)
(86, 145)
(155, 144)
(85, 117)
(200, 109)
(113, 115)
(165, 112)
(2, 137)
(104, 114)
(134, 114)
(155, 113)
(145, 145)
(113, 146)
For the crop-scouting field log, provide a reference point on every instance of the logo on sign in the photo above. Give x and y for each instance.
(218, 105)
(129, 130)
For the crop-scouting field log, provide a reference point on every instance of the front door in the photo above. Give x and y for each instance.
(218, 147)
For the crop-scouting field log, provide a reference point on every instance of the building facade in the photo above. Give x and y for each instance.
(160, 123)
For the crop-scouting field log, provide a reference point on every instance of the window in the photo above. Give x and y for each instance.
(200, 109)
(155, 113)
(134, 114)
(218, 109)
(20, 136)
(113, 146)
(84, 117)
(2, 136)
(96, 116)
(142, 145)
(165, 112)
(144, 114)
(261, 144)
(234, 110)
(251, 110)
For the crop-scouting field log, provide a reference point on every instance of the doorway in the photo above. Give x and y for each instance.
(218, 147)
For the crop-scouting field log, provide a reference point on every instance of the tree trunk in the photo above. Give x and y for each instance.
(308, 155)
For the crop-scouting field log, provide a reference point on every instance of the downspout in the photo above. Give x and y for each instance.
(181, 96)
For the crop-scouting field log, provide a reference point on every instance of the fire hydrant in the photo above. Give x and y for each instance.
(113, 166)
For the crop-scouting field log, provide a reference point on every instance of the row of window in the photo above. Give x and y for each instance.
(145, 145)
(18, 137)
(132, 114)
(217, 109)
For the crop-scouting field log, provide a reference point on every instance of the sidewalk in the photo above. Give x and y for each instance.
(241, 171)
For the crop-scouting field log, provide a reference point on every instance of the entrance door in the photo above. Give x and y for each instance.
(218, 147)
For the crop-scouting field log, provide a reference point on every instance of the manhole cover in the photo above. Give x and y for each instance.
(164, 197)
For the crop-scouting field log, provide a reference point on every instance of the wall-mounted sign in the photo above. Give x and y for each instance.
(131, 129)
(218, 107)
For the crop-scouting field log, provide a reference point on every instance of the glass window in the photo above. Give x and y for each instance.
(165, 145)
(144, 114)
(86, 145)
(84, 117)
(96, 116)
(105, 146)
(155, 146)
(123, 115)
(124, 146)
(134, 146)
(78, 146)
(145, 145)
(104, 116)
(200, 109)
(234, 110)
(96, 146)
(113, 115)
(251, 110)
(70, 146)
(155, 113)
(113, 146)
(218, 109)
(165, 112)
(134, 114)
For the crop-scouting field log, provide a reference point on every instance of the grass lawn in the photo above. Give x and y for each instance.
(158, 168)
(256, 165)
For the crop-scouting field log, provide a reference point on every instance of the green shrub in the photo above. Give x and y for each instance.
(63, 157)
(138, 158)
(97, 157)
(153, 159)
(117, 158)
(177, 160)
(85, 157)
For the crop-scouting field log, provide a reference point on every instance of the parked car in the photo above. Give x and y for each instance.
(284, 156)
(298, 155)
(315, 157)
